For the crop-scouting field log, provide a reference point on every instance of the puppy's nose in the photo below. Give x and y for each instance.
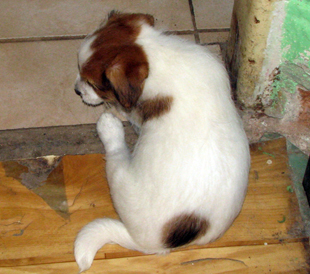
(77, 92)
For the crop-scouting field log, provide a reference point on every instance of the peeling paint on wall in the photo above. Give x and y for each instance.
(264, 90)
(294, 69)
(296, 32)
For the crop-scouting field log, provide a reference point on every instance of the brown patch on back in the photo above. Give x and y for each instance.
(184, 229)
(154, 108)
(118, 65)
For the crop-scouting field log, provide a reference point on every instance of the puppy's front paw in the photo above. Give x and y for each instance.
(111, 132)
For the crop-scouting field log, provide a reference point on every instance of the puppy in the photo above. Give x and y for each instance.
(186, 179)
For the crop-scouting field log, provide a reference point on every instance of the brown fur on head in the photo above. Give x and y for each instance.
(114, 66)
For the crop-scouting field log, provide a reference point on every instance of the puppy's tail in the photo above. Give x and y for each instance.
(95, 235)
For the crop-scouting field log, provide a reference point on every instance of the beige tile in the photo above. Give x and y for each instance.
(189, 37)
(36, 86)
(216, 50)
(213, 13)
(22, 18)
(213, 37)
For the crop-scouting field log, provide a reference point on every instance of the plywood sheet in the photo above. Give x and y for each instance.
(286, 258)
(38, 226)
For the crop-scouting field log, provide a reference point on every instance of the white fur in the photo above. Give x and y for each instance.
(88, 94)
(85, 50)
(195, 158)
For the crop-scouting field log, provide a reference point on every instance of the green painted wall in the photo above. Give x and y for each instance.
(294, 69)
(296, 32)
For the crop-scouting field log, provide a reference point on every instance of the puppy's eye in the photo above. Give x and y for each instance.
(104, 79)
(92, 84)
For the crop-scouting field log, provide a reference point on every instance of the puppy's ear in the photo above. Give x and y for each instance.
(127, 74)
(147, 18)
(133, 18)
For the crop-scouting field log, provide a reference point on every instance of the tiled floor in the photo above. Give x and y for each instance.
(39, 41)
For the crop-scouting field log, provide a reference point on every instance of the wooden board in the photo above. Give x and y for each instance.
(39, 226)
(286, 258)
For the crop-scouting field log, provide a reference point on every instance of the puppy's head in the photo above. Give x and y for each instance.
(112, 67)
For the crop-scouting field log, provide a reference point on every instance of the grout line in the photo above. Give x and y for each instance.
(41, 38)
(82, 36)
(211, 44)
(196, 34)
(213, 30)
(182, 32)
(179, 32)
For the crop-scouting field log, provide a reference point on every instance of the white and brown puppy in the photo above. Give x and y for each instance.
(186, 180)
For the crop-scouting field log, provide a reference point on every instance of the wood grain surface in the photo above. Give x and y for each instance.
(38, 226)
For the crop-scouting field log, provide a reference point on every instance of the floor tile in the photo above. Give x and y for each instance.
(189, 37)
(42, 85)
(39, 76)
(213, 37)
(22, 18)
(37, 85)
(216, 50)
(212, 14)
